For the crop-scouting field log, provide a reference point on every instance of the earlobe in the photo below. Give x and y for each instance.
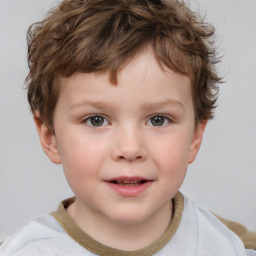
(47, 140)
(196, 141)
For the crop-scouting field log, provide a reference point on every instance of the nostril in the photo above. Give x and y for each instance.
(130, 153)
(129, 158)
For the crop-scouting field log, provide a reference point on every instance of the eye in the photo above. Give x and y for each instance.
(158, 120)
(96, 120)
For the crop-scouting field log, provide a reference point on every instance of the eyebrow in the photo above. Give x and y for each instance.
(161, 104)
(147, 106)
(96, 104)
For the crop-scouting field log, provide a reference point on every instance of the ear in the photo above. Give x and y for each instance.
(196, 141)
(48, 140)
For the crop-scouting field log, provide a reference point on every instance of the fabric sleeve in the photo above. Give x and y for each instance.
(248, 238)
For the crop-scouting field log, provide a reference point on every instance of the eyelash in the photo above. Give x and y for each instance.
(90, 118)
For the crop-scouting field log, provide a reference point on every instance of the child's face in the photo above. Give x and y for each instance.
(124, 149)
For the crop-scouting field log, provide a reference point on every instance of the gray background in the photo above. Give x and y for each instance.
(224, 174)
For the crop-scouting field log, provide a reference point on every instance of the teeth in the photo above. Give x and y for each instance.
(129, 182)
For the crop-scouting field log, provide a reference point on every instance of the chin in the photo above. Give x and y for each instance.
(131, 216)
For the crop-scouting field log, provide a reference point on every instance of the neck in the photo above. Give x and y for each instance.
(122, 236)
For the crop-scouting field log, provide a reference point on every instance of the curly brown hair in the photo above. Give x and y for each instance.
(103, 35)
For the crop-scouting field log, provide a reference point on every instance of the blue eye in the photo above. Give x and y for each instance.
(158, 120)
(96, 120)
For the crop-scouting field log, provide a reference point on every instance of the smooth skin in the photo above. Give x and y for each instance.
(142, 127)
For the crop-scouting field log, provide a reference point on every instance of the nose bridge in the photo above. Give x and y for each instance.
(129, 143)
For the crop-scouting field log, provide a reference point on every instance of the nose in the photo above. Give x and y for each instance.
(129, 146)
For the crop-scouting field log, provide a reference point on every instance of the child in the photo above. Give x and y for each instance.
(121, 91)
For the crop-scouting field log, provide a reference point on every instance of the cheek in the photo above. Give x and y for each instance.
(82, 158)
(172, 169)
(171, 156)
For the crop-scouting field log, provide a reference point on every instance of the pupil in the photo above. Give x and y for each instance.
(157, 120)
(97, 121)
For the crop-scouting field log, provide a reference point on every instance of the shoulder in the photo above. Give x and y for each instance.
(43, 236)
(212, 234)
(35, 233)
(248, 238)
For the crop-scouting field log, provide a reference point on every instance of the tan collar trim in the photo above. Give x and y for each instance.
(100, 249)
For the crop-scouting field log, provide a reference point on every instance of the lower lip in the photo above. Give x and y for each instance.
(129, 191)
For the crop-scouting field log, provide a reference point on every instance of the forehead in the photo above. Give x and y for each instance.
(141, 80)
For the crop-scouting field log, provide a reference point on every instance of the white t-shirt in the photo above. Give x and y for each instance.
(194, 231)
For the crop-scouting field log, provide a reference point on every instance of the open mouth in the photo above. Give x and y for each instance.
(128, 182)
(129, 186)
